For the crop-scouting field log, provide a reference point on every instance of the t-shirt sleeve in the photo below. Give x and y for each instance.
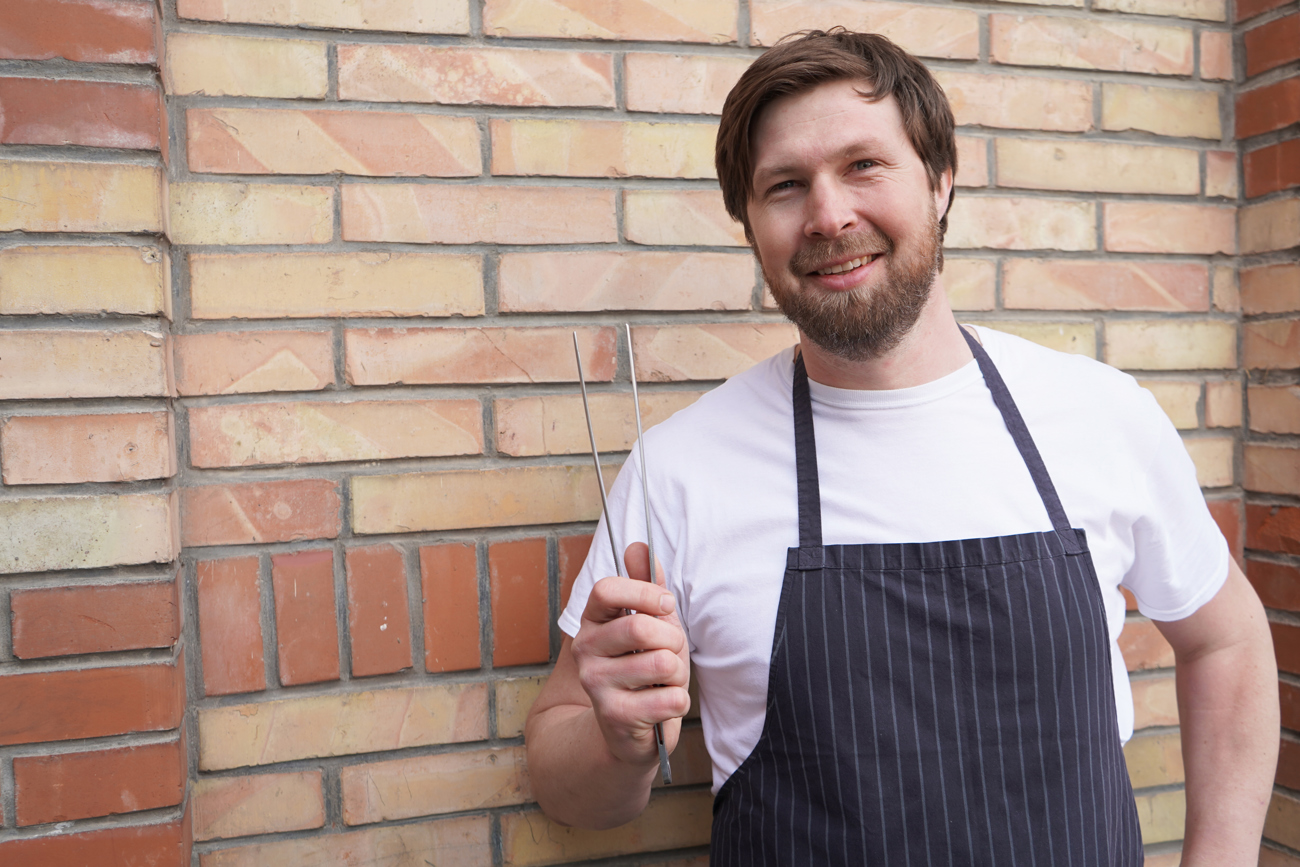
(1180, 558)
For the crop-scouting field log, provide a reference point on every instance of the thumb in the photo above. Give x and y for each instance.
(637, 560)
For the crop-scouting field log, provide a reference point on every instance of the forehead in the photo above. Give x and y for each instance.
(829, 118)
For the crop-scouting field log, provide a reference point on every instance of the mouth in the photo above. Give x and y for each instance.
(845, 267)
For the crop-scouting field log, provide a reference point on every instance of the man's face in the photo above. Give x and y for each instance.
(844, 221)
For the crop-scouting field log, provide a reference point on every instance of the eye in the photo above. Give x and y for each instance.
(781, 187)
(864, 164)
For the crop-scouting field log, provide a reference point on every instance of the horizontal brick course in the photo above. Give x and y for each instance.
(1205, 10)
(1274, 343)
(654, 20)
(1268, 108)
(1278, 584)
(1155, 702)
(451, 16)
(91, 702)
(232, 362)
(926, 31)
(1179, 400)
(1171, 345)
(515, 696)
(1018, 101)
(602, 148)
(1216, 55)
(1269, 226)
(1077, 43)
(61, 364)
(161, 845)
(1021, 224)
(680, 217)
(216, 213)
(1149, 227)
(1099, 167)
(457, 842)
(679, 83)
(429, 785)
(87, 448)
(1274, 409)
(89, 31)
(1175, 112)
(1272, 168)
(259, 512)
(1074, 337)
(1273, 528)
(88, 532)
(257, 804)
(1223, 404)
(706, 352)
(213, 64)
(60, 621)
(87, 113)
(1272, 469)
(1047, 284)
(1270, 288)
(79, 197)
(1154, 760)
(76, 279)
(1272, 44)
(555, 424)
(70, 786)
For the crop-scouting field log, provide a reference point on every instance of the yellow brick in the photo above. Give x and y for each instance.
(515, 697)
(680, 83)
(1161, 816)
(649, 20)
(1204, 10)
(439, 16)
(1282, 823)
(257, 804)
(1079, 338)
(429, 785)
(1272, 469)
(1090, 43)
(602, 148)
(1223, 404)
(79, 197)
(970, 283)
(268, 732)
(458, 842)
(47, 533)
(1097, 167)
(972, 162)
(219, 65)
(1154, 759)
(1167, 227)
(63, 279)
(707, 351)
(1021, 224)
(1155, 701)
(516, 496)
(672, 820)
(1171, 345)
(556, 425)
(1213, 459)
(1018, 101)
(62, 364)
(1179, 400)
(680, 217)
(1269, 226)
(305, 285)
(251, 214)
(927, 31)
(1178, 112)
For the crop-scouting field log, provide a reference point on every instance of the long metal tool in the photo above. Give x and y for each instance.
(665, 769)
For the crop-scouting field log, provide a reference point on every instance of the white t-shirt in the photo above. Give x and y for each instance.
(924, 464)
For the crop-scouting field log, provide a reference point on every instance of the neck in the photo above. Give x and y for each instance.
(933, 349)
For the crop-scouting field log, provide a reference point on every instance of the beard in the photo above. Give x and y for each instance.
(864, 322)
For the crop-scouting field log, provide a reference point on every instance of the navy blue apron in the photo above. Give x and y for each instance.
(935, 703)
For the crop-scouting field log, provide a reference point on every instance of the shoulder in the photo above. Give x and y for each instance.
(736, 405)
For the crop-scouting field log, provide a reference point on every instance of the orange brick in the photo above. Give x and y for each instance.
(680, 217)
(429, 785)
(1224, 289)
(1274, 343)
(1216, 55)
(1021, 224)
(573, 553)
(1273, 528)
(1272, 469)
(214, 64)
(1221, 174)
(972, 162)
(59, 621)
(651, 20)
(134, 844)
(230, 625)
(1247, 9)
(48, 533)
(1270, 288)
(520, 620)
(250, 141)
(671, 820)
(68, 279)
(927, 31)
(595, 281)
(1149, 227)
(306, 627)
(52, 449)
(450, 16)
(1080, 43)
(680, 83)
(449, 585)
(706, 352)
(322, 432)
(1097, 167)
(259, 512)
(211, 213)
(1274, 409)
(1272, 44)
(1278, 584)
(79, 197)
(1176, 112)
(1268, 108)
(379, 623)
(257, 804)
(1286, 646)
(459, 842)
(474, 76)
(81, 30)
(87, 113)
(1046, 284)
(555, 424)
(437, 214)
(1155, 701)
(70, 786)
(1223, 404)
(1018, 101)
(74, 364)
(1227, 513)
(1143, 646)
(602, 148)
(244, 362)
(1269, 226)
(970, 283)
(1272, 168)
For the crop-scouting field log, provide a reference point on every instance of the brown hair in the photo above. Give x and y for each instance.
(802, 61)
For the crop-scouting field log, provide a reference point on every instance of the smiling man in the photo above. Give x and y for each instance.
(894, 552)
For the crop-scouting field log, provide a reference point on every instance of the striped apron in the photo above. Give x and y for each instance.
(935, 703)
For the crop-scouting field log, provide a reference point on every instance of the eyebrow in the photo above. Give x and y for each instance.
(843, 153)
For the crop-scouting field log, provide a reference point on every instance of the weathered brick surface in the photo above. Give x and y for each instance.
(419, 17)
(1021, 224)
(79, 197)
(85, 532)
(1273, 168)
(1122, 46)
(1205, 10)
(1155, 702)
(1143, 646)
(1171, 345)
(1278, 584)
(599, 148)
(89, 31)
(230, 625)
(1271, 225)
(160, 845)
(1283, 819)
(257, 512)
(1272, 343)
(1047, 284)
(1272, 44)
(70, 786)
(924, 30)
(1018, 101)
(429, 785)
(68, 279)
(221, 65)
(113, 447)
(306, 628)
(215, 213)
(705, 352)
(1213, 457)
(231, 362)
(1161, 816)
(1154, 760)
(91, 703)
(514, 697)
(556, 424)
(517, 581)
(379, 622)
(449, 585)
(1074, 337)
(1175, 112)
(1223, 404)
(685, 217)
(1221, 174)
(257, 804)
(92, 114)
(1272, 469)
(457, 842)
(679, 83)
(1268, 108)
(1141, 227)
(970, 283)
(1179, 400)
(1273, 528)
(1270, 288)
(41, 364)
(1227, 513)
(60, 621)
(1097, 167)
(658, 20)
(1216, 55)
(1274, 409)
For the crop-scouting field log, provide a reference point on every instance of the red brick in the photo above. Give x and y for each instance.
(306, 624)
(230, 626)
(91, 703)
(1273, 168)
(1288, 764)
(259, 512)
(1251, 8)
(104, 447)
(86, 30)
(1227, 514)
(1289, 699)
(139, 846)
(379, 623)
(72, 786)
(1268, 108)
(59, 621)
(1277, 584)
(1144, 647)
(573, 553)
(520, 621)
(1273, 44)
(89, 113)
(1273, 528)
(1286, 646)
(449, 584)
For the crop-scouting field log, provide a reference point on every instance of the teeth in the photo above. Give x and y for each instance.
(847, 266)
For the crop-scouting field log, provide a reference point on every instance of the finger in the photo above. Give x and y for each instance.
(612, 597)
(644, 708)
(635, 671)
(637, 559)
(633, 634)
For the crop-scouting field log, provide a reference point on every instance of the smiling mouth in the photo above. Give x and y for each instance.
(850, 265)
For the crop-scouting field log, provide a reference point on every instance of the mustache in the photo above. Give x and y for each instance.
(817, 254)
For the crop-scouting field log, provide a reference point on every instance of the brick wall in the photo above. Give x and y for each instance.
(303, 340)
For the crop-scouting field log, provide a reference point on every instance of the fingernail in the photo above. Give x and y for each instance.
(668, 603)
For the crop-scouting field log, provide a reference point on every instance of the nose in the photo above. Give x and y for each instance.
(830, 211)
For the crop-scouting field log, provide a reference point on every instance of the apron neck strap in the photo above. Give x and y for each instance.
(805, 460)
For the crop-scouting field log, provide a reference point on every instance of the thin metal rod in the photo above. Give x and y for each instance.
(595, 457)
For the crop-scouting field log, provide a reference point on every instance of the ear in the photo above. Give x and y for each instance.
(943, 194)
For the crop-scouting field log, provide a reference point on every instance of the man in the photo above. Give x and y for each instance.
(894, 552)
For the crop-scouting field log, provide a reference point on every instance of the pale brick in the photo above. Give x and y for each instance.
(259, 804)
(1097, 167)
(602, 148)
(1282, 822)
(61, 364)
(55, 450)
(48, 533)
(1216, 55)
(265, 733)
(1155, 701)
(1161, 816)
(1270, 288)
(1162, 227)
(439, 214)
(1213, 459)
(226, 362)
(651, 20)
(64, 279)
(680, 217)
(1071, 284)
(1018, 101)
(1272, 469)
(407, 16)
(1221, 174)
(1079, 338)
(515, 697)
(1269, 226)
(1223, 404)
(1171, 345)
(459, 842)
(252, 141)
(1204, 10)
(1273, 344)
(1154, 760)
(307, 285)
(707, 351)
(209, 64)
(1176, 112)
(385, 356)
(970, 283)
(1273, 409)
(680, 83)
(556, 425)
(429, 785)
(927, 31)
(474, 76)
(672, 820)
(242, 435)
(207, 213)
(972, 162)
(458, 499)
(1179, 400)
(596, 281)
(1021, 224)
(79, 197)
(1224, 289)
(1081, 43)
